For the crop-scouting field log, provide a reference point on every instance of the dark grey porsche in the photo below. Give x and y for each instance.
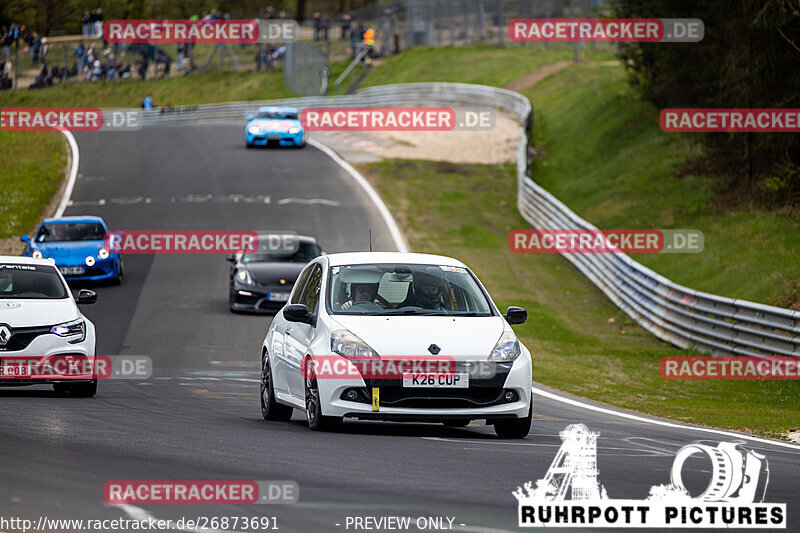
(260, 282)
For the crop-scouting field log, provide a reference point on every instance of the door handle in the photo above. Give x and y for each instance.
(288, 331)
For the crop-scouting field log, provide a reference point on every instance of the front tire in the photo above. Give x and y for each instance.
(118, 280)
(77, 390)
(516, 428)
(316, 420)
(270, 408)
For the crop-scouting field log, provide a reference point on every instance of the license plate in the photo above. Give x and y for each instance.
(274, 137)
(434, 380)
(12, 370)
(72, 271)
(278, 296)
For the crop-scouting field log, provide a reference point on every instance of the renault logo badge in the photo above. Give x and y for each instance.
(5, 335)
(434, 349)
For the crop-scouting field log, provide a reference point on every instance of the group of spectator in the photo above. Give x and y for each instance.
(92, 24)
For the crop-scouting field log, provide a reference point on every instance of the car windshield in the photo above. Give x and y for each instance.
(71, 231)
(283, 115)
(31, 282)
(405, 289)
(306, 251)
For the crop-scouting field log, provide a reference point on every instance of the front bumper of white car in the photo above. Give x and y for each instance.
(44, 358)
(506, 394)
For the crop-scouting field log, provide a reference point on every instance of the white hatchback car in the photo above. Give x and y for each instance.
(396, 336)
(44, 338)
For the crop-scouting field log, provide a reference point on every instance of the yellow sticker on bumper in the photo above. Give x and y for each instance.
(376, 398)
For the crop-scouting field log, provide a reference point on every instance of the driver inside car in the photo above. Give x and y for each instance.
(426, 292)
(361, 292)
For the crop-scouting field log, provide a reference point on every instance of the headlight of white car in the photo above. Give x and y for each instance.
(71, 329)
(255, 130)
(102, 254)
(36, 254)
(507, 348)
(293, 131)
(244, 277)
(348, 345)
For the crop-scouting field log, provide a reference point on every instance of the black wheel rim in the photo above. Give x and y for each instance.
(266, 387)
(312, 401)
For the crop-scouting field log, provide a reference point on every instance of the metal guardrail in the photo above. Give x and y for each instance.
(674, 313)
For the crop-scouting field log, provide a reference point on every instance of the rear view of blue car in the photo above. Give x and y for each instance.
(77, 247)
(276, 126)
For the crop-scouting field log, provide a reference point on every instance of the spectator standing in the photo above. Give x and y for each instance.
(317, 25)
(98, 22)
(270, 13)
(345, 23)
(77, 53)
(326, 26)
(143, 68)
(86, 24)
(7, 39)
(147, 103)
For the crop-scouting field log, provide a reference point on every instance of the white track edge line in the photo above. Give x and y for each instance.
(394, 230)
(73, 173)
(657, 422)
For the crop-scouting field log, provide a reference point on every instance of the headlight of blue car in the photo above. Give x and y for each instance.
(255, 130)
(294, 131)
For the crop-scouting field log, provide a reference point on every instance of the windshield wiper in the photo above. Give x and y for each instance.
(412, 312)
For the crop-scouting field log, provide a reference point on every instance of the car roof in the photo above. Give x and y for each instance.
(79, 218)
(358, 258)
(20, 260)
(276, 109)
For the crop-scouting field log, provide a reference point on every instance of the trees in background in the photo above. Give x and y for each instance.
(749, 58)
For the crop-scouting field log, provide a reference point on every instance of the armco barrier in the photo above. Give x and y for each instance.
(677, 314)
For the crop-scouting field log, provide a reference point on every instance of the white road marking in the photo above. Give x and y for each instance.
(394, 230)
(75, 160)
(664, 423)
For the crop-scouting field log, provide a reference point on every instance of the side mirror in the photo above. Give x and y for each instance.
(250, 117)
(516, 315)
(86, 297)
(231, 258)
(297, 313)
(26, 239)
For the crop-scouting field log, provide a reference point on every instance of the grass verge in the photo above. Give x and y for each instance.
(33, 170)
(466, 211)
(605, 156)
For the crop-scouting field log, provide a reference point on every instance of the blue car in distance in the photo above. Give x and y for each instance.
(275, 126)
(78, 248)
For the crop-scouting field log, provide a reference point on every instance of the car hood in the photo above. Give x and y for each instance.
(464, 338)
(276, 124)
(69, 249)
(22, 313)
(274, 272)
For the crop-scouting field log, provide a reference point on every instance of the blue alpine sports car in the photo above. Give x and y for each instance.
(277, 126)
(78, 248)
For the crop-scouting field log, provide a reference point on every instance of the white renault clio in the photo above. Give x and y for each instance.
(44, 338)
(396, 336)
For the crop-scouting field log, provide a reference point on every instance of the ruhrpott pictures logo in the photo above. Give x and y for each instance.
(733, 497)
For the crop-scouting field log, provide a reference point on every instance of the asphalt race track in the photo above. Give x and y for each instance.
(198, 417)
